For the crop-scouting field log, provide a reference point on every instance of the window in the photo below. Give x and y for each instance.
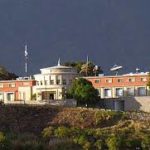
(64, 82)
(119, 92)
(107, 92)
(141, 91)
(10, 96)
(97, 81)
(11, 85)
(120, 80)
(37, 83)
(51, 82)
(70, 81)
(130, 91)
(57, 81)
(131, 79)
(143, 79)
(46, 82)
(108, 80)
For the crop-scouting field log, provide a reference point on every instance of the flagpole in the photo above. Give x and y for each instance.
(26, 67)
(26, 60)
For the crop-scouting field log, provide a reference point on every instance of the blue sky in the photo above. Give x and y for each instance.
(110, 32)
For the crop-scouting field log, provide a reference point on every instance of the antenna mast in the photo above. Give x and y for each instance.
(26, 59)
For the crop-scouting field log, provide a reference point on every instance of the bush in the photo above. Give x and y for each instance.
(83, 141)
(33, 97)
(134, 143)
(62, 132)
(4, 142)
(146, 143)
(48, 132)
(99, 144)
(113, 142)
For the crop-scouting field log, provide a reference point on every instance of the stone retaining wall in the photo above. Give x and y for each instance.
(137, 104)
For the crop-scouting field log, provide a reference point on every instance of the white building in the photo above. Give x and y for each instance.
(53, 82)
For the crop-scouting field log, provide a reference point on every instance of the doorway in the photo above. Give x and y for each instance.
(51, 96)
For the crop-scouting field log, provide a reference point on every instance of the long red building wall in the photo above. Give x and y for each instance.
(13, 85)
(139, 80)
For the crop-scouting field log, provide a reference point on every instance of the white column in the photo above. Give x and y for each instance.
(102, 92)
(113, 92)
(55, 79)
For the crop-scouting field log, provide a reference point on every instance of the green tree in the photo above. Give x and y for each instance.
(84, 92)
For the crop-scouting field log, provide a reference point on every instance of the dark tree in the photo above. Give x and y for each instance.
(84, 68)
(5, 75)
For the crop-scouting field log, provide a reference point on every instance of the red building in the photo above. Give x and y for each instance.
(16, 90)
(122, 85)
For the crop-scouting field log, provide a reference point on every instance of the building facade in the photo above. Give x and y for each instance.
(16, 91)
(53, 82)
(128, 92)
(127, 85)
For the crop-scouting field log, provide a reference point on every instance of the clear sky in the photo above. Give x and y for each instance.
(109, 31)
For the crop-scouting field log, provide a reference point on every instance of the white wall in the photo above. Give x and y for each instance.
(25, 93)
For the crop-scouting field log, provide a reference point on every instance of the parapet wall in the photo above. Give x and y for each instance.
(65, 103)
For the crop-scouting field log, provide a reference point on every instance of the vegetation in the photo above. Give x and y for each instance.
(84, 68)
(114, 139)
(5, 75)
(84, 92)
(77, 65)
(148, 84)
(33, 97)
(57, 128)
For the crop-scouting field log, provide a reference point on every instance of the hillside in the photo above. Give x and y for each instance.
(34, 119)
(28, 123)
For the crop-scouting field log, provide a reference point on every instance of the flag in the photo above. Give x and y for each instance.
(26, 52)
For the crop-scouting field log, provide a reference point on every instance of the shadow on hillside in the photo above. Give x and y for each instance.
(25, 118)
